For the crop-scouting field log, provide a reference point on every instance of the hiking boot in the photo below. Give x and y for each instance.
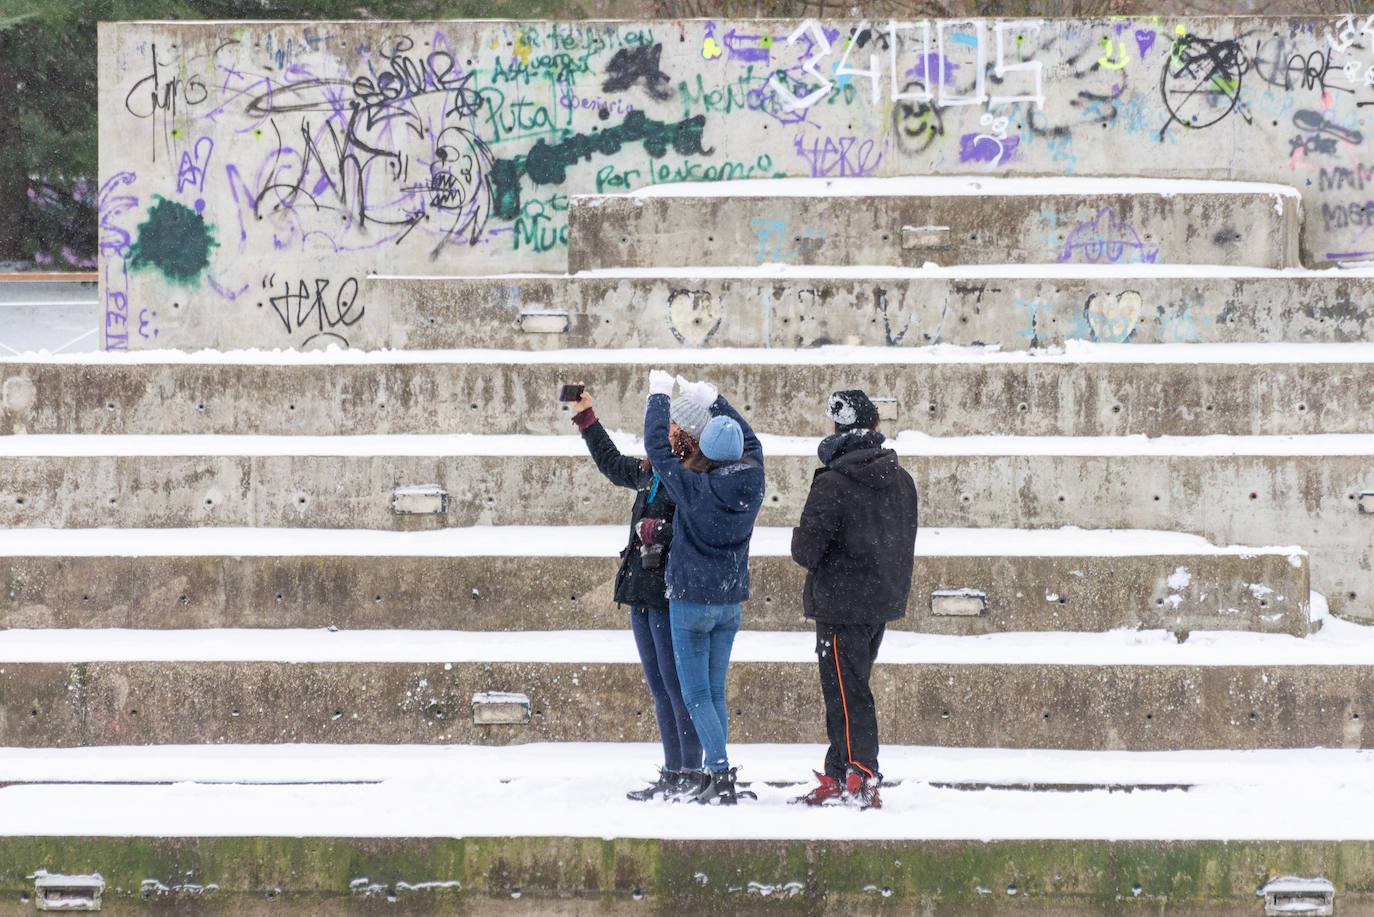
(690, 781)
(666, 780)
(719, 789)
(861, 789)
(829, 791)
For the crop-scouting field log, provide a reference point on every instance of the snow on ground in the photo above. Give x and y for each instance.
(1337, 643)
(576, 541)
(833, 356)
(577, 789)
(955, 186)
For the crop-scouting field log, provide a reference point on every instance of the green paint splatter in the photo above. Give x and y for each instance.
(766, 41)
(175, 240)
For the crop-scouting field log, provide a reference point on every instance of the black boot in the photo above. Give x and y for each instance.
(719, 789)
(689, 782)
(666, 781)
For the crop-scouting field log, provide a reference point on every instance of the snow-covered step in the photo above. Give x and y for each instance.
(1087, 389)
(577, 789)
(1313, 491)
(1123, 689)
(1015, 307)
(949, 220)
(513, 578)
(444, 829)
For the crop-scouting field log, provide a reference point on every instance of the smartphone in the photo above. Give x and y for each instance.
(570, 392)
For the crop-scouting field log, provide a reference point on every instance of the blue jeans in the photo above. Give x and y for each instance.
(653, 636)
(702, 638)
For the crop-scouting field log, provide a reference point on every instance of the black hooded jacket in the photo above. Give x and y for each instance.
(857, 534)
(634, 585)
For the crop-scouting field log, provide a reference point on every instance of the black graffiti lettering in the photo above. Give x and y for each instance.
(152, 95)
(1344, 216)
(1321, 135)
(1340, 177)
(547, 164)
(632, 64)
(308, 304)
(916, 124)
(1201, 82)
(156, 99)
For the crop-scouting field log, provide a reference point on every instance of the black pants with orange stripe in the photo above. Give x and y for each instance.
(846, 653)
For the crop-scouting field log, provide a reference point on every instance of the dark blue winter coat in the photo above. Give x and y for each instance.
(709, 562)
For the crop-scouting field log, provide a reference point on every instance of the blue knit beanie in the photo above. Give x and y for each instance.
(722, 440)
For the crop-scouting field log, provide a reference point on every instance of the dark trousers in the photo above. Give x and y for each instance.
(846, 653)
(654, 638)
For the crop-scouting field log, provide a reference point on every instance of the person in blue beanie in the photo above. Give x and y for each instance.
(639, 584)
(718, 490)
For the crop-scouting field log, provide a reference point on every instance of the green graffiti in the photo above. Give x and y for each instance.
(175, 240)
(547, 164)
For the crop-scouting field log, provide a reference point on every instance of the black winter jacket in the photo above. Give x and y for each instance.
(634, 585)
(857, 534)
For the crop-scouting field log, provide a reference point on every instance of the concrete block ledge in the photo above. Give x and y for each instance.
(703, 308)
(1260, 491)
(637, 876)
(902, 221)
(978, 704)
(1302, 392)
(518, 578)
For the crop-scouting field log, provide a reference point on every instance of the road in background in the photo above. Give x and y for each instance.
(53, 312)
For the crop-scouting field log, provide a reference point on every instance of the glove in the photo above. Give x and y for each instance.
(702, 393)
(655, 531)
(660, 383)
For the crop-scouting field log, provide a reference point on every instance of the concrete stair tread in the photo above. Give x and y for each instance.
(948, 185)
(575, 541)
(929, 270)
(834, 355)
(1338, 643)
(905, 220)
(905, 443)
(1079, 390)
(577, 790)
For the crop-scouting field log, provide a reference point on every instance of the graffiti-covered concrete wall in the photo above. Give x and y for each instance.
(266, 169)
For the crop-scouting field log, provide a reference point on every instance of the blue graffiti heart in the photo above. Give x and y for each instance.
(1144, 40)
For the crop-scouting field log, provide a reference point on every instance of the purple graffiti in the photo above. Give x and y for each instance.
(195, 163)
(1144, 41)
(838, 156)
(939, 69)
(987, 148)
(1106, 239)
(114, 245)
(745, 48)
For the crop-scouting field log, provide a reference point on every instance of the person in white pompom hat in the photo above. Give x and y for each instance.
(856, 539)
(718, 491)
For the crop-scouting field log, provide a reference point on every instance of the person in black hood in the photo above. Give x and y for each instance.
(639, 583)
(856, 539)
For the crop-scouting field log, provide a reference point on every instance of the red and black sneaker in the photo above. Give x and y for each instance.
(861, 789)
(829, 791)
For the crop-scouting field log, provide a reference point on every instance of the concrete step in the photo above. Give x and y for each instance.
(949, 220)
(547, 828)
(1121, 689)
(1015, 307)
(1316, 491)
(966, 581)
(1091, 390)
